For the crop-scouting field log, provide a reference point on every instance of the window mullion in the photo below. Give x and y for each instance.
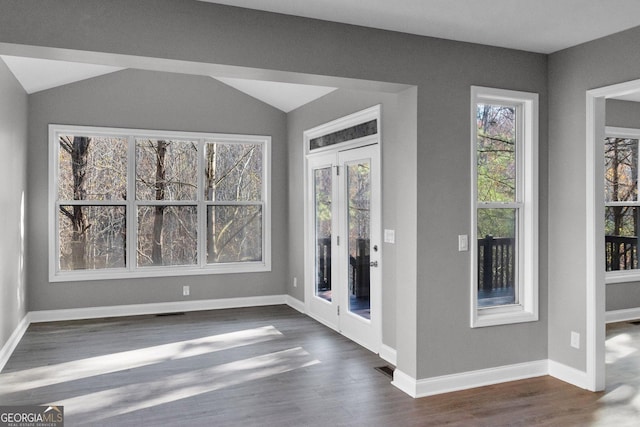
(91, 203)
(202, 212)
(132, 210)
(499, 205)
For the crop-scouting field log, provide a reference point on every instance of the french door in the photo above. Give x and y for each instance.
(343, 251)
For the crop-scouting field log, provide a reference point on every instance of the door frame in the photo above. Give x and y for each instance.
(372, 113)
(595, 275)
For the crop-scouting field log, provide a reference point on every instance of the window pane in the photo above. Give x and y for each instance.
(91, 237)
(358, 224)
(166, 169)
(234, 233)
(233, 172)
(496, 257)
(92, 168)
(621, 170)
(496, 153)
(167, 235)
(322, 195)
(621, 241)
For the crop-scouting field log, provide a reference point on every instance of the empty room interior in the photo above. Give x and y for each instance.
(339, 213)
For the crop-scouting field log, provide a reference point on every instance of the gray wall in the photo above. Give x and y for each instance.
(13, 167)
(572, 72)
(150, 100)
(433, 282)
(444, 210)
(622, 114)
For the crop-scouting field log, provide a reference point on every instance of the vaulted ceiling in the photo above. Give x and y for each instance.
(543, 26)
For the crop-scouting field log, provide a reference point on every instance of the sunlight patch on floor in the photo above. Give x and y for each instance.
(78, 369)
(621, 394)
(126, 399)
(618, 347)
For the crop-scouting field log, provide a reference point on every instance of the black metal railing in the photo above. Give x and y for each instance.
(323, 267)
(621, 252)
(359, 278)
(496, 263)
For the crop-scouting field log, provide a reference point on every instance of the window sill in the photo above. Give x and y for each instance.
(170, 271)
(502, 316)
(613, 277)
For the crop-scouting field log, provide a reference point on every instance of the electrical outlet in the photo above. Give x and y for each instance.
(295, 282)
(575, 339)
(186, 291)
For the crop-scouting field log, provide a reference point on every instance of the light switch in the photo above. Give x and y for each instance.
(463, 243)
(389, 236)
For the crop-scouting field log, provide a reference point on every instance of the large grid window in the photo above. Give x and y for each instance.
(131, 203)
(504, 235)
(622, 207)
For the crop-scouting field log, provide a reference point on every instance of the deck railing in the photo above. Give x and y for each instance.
(621, 252)
(323, 268)
(496, 263)
(359, 279)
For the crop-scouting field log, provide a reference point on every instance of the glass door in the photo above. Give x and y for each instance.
(359, 206)
(343, 246)
(323, 243)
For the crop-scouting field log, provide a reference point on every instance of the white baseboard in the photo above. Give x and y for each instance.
(7, 349)
(568, 374)
(466, 380)
(405, 382)
(625, 315)
(295, 303)
(154, 308)
(389, 354)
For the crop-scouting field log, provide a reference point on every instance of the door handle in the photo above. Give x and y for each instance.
(373, 264)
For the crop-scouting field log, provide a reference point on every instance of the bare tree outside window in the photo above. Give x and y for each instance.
(496, 180)
(233, 188)
(166, 171)
(621, 197)
(91, 169)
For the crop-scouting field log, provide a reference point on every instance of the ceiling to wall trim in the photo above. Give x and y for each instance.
(543, 26)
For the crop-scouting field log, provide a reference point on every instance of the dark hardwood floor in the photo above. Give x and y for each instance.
(271, 366)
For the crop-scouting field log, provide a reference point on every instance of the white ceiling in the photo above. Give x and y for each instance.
(40, 74)
(283, 96)
(543, 26)
(633, 97)
(534, 25)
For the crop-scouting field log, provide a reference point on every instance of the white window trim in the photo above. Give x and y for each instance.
(527, 157)
(625, 276)
(132, 271)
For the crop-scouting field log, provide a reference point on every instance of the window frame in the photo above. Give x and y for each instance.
(526, 206)
(131, 204)
(622, 276)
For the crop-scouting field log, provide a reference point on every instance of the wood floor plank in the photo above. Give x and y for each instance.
(272, 366)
